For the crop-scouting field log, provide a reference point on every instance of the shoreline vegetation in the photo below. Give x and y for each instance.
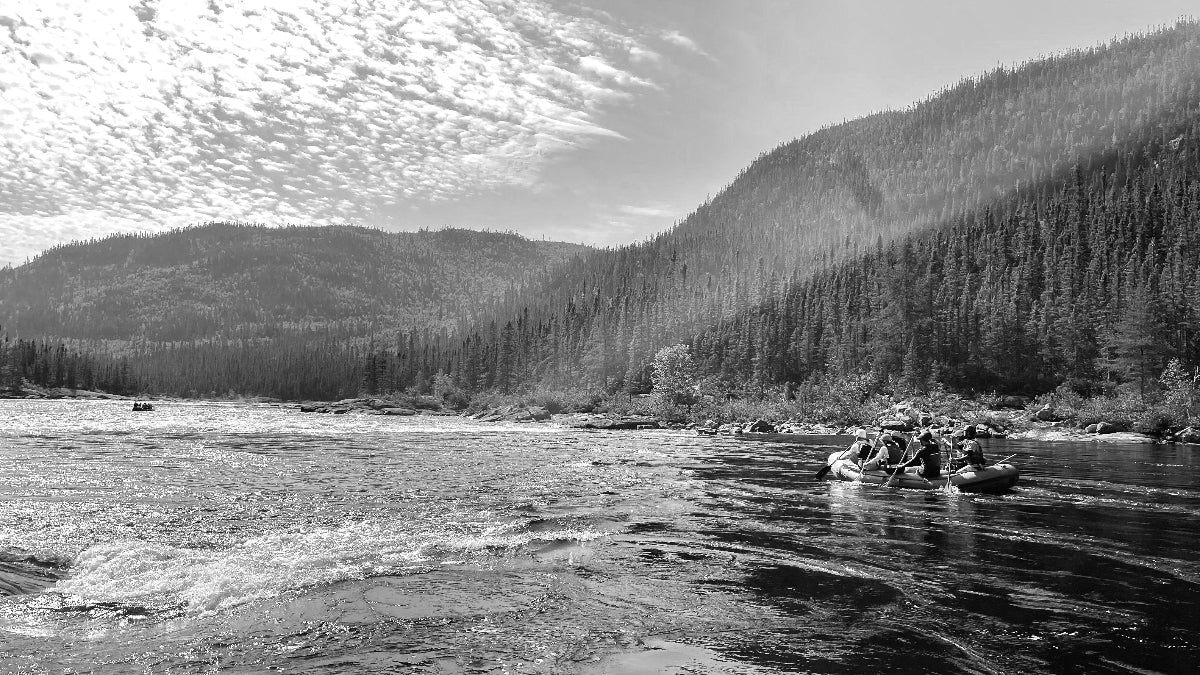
(837, 409)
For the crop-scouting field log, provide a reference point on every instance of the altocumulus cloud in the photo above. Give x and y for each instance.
(128, 116)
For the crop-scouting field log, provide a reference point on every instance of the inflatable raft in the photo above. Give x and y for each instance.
(991, 479)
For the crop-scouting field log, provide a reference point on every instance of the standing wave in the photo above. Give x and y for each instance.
(192, 581)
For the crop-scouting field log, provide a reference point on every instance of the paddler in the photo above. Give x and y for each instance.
(890, 452)
(860, 449)
(928, 456)
(972, 451)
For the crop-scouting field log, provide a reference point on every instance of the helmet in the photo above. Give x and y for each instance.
(861, 434)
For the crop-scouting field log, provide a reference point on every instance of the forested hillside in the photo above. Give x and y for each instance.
(229, 281)
(1087, 283)
(1049, 201)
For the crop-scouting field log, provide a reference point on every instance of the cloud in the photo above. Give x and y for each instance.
(649, 211)
(171, 112)
(678, 39)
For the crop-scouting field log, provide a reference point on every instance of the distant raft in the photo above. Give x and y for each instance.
(992, 479)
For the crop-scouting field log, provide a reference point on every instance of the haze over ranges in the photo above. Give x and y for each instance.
(593, 122)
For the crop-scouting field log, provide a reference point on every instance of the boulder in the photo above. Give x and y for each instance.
(539, 413)
(904, 411)
(1012, 402)
(983, 431)
(761, 427)
(1091, 428)
(309, 407)
(897, 425)
(1188, 435)
(1047, 414)
(397, 411)
(1106, 428)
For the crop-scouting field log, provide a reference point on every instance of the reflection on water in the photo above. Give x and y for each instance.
(207, 536)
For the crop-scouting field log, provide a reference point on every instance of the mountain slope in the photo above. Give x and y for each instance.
(1089, 283)
(832, 196)
(223, 281)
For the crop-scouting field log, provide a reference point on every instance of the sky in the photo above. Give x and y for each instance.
(588, 121)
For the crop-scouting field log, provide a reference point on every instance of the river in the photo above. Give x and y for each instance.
(206, 537)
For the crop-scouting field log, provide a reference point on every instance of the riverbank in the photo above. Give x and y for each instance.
(32, 391)
(1000, 417)
(1016, 423)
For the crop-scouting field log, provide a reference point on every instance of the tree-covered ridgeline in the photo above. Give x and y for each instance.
(235, 281)
(1004, 234)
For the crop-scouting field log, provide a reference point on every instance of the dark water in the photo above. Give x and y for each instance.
(226, 538)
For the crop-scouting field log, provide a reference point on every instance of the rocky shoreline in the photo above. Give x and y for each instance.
(1016, 423)
(511, 413)
(1012, 421)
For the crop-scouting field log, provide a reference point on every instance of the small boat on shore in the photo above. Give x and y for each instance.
(992, 479)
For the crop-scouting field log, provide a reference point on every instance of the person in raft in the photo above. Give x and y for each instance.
(889, 454)
(860, 449)
(972, 451)
(928, 456)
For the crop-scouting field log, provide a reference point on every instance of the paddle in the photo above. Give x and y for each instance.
(904, 463)
(874, 446)
(893, 476)
(824, 470)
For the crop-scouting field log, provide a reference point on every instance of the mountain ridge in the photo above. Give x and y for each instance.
(225, 280)
(837, 194)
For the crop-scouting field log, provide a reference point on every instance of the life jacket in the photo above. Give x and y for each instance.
(931, 459)
(895, 449)
(862, 450)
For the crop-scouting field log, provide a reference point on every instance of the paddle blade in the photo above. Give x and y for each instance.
(824, 470)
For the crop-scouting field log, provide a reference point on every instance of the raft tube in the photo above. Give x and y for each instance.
(991, 479)
(849, 471)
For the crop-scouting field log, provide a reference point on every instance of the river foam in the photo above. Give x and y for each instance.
(189, 580)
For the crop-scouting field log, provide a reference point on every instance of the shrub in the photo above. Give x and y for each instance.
(1121, 410)
(1154, 421)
